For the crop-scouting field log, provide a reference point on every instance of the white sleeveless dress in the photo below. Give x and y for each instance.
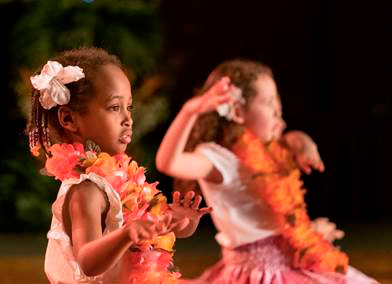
(253, 251)
(61, 266)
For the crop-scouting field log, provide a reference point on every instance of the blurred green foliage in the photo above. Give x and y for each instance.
(129, 29)
(24, 193)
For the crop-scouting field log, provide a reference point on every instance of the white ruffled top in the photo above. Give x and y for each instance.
(61, 266)
(239, 217)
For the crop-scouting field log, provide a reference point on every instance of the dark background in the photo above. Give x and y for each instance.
(331, 61)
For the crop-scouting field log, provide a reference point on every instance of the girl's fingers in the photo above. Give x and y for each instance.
(176, 198)
(220, 86)
(133, 235)
(224, 98)
(304, 165)
(160, 227)
(216, 100)
(188, 198)
(144, 233)
(322, 167)
(166, 220)
(179, 225)
(339, 234)
(196, 202)
(205, 210)
(322, 220)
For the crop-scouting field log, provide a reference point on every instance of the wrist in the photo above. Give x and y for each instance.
(190, 110)
(126, 232)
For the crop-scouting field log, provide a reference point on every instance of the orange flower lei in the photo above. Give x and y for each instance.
(140, 200)
(276, 179)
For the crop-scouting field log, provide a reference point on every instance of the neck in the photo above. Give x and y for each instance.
(71, 138)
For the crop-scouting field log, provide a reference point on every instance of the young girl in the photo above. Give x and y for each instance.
(109, 225)
(230, 140)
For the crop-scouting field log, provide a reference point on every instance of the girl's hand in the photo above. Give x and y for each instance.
(142, 230)
(185, 212)
(218, 94)
(327, 229)
(305, 151)
(309, 158)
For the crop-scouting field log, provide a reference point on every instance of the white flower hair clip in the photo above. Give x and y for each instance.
(227, 110)
(51, 83)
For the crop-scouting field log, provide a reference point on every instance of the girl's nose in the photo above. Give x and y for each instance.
(127, 122)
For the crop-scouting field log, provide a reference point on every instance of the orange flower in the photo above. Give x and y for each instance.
(158, 205)
(113, 168)
(165, 242)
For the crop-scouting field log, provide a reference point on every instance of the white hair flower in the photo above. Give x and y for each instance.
(51, 83)
(227, 110)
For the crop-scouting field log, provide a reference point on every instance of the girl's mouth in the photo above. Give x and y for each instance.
(125, 138)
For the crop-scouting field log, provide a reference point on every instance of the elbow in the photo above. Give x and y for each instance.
(88, 268)
(89, 273)
(161, 164)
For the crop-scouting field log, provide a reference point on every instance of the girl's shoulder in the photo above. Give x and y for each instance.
(225, 161)
(88, 192)
(216, 151)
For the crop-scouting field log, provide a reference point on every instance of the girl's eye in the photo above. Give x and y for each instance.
(115, 108)
(130, 108)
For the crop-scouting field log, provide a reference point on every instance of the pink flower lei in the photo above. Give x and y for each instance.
(140, 200)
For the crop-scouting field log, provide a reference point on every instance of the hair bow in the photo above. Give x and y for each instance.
(51, 83)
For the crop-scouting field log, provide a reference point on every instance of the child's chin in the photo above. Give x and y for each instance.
(266, 139)
(118, 149)
(122, 148)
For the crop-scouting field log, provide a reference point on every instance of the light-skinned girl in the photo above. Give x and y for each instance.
(230, 140)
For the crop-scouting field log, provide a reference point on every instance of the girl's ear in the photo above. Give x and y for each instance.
(238, 113)
(66, 118)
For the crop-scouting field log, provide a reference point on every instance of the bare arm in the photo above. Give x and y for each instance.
(305, 150)
(96, 253)
(171, 157)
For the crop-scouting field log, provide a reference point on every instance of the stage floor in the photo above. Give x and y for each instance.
(369, 248)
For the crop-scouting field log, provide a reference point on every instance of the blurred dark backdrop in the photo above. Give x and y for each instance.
(332, 64)
(331, 61)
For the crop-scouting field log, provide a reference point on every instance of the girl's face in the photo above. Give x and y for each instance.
(108, 120)
(263, 116)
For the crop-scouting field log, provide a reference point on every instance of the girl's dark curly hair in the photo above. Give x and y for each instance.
(41, 120)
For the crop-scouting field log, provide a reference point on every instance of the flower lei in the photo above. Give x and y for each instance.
(140, 200)
(276, 179)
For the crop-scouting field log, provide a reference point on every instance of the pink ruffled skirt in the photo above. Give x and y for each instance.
(267, 261)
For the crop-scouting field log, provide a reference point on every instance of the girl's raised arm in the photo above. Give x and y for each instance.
(171, 158)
